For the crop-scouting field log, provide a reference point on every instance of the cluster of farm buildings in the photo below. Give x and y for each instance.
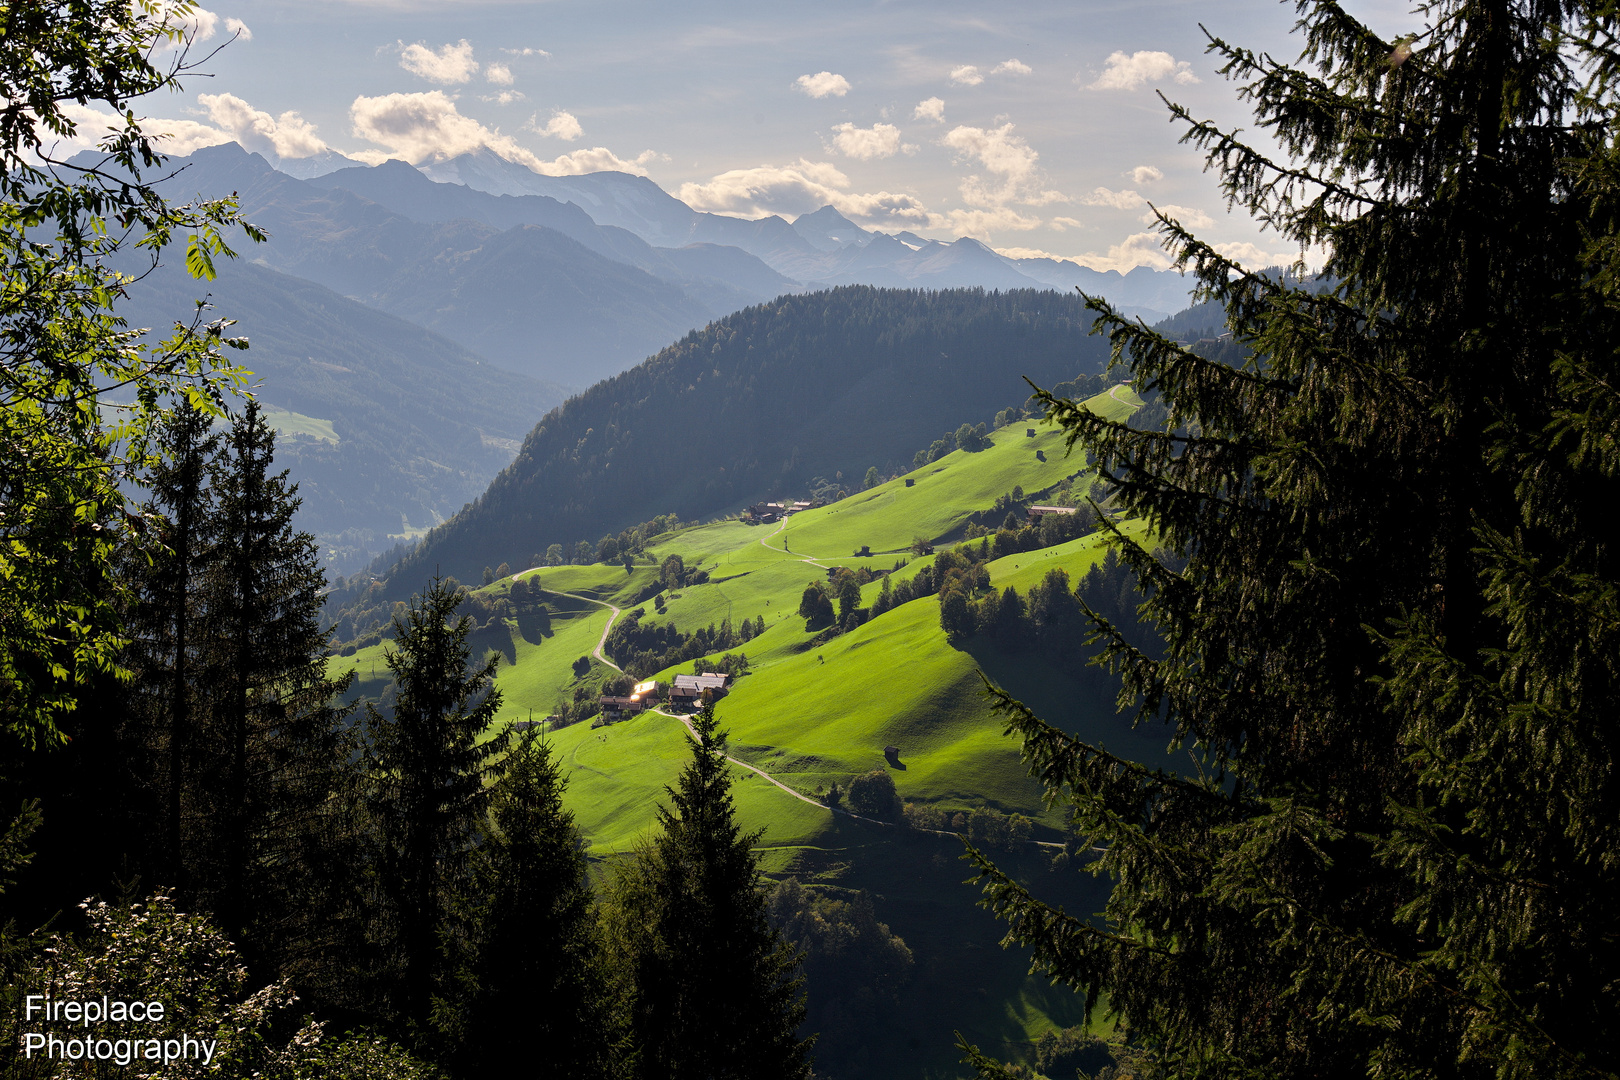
(686, 695)
(766, 512)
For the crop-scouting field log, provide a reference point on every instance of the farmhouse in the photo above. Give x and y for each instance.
(1035, 513)
(771, 511)
(617, 708)
(688, 690)
(709, 680)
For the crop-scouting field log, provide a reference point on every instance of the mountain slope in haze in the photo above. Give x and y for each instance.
(816, 248)
(531, 299)
(760, 403)
(629, 202)
(723, 278)
(421, 424)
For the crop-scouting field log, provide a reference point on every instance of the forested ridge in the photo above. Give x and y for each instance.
(760, 402)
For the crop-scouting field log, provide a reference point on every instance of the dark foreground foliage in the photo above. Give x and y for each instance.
(1394, 646)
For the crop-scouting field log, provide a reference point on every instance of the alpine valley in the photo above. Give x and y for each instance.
(411, 326)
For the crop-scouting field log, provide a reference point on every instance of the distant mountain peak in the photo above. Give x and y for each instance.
(828, 230)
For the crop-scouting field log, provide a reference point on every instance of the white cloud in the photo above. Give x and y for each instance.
(1253, 256)
(800, 188)
(595, 159)
(1026, 253)
(450, 64)
(197, 25)
(1138, 249)
(1009, 158)
(1062, 223)
(286, 136)
(505, 97)
(562, 125)
(422, 127)
(864, 144)
(1145, 174)
(527, 52)
(1129, 71)
(499, 74)
(177, 137)
(239, 29)
(966, 75)
(981, 223)
(933, 109)
(1011, 67)
(823, 84)
(182, 137)
(1119, 200)
(1190, 217)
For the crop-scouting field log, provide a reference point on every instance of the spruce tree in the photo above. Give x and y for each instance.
(1393, 647)
(712, 990)
(532, 988)
(428, 793)
(280, 746)
(168, 643)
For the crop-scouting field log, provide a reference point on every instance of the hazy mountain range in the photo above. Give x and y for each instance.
(387, 297)
(818, 249)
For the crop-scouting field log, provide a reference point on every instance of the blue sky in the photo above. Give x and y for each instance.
(1032, 126)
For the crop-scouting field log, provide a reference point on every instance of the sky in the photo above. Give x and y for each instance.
(1036, 127)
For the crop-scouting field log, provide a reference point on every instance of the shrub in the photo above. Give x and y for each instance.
(990, 828)
(153, 952)
(927, 818)
(873, 795)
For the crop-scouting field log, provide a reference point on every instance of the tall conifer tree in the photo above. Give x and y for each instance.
(1395, 645)
(280, 748)
(533, 992)
(428, 792)
(714, 991)
(168, 644)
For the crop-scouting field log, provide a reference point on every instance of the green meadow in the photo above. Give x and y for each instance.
(813, 716)
(287, 422)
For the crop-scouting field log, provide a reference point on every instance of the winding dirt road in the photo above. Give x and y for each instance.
(614, 614)
(686, 723)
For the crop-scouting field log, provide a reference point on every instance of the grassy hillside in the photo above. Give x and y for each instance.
(887, 517)
(812, 716)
